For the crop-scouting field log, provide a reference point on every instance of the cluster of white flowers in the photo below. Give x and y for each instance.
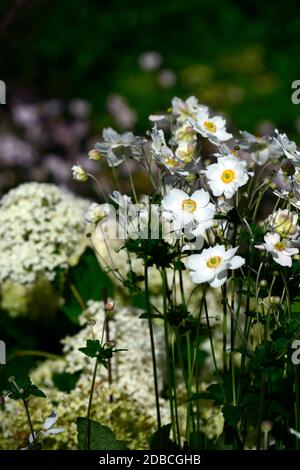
(131, 415)
(41, 226)
(201, 194)
(132, 368)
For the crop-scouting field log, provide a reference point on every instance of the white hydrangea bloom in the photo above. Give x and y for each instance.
(41, 226)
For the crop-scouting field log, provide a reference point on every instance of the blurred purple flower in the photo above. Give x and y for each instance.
(150, 61)
(122, 113)
(56, 167)
(25, 115)
(79, 108)
(14, 151)
(167, 78)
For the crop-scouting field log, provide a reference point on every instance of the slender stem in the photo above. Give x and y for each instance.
(88, 425)
(29, 420)
(224, 302)
(152, 342)
(260, 410)
(167, 346)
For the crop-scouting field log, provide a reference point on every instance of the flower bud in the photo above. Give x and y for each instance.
(94, 154)
(109, 305)
(263, 283)
(79, 173)
(266, 426)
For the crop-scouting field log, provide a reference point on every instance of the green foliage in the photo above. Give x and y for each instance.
(231, 414)
(249, 78)
(22, 388)
(160, 440)
(102, 352)
(65, 381)
(101, 437)
(157, 253)
(89, 282)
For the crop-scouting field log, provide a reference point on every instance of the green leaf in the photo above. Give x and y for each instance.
(89, 280)
(66, 382)
(213, 392)
(102, 353)
(101, 437)
(24, 389)
(92, 349)
(231, 414)
(160, 440)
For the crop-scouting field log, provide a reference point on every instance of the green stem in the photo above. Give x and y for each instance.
(167, 346)
(88, 424)
(152, 342)
(29, 420)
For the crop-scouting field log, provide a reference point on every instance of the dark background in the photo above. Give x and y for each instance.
(240, 57)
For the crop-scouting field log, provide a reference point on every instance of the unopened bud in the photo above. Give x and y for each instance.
(109, 305)
(79, 173)
(94, 155)
(263, 283)
(266, 426)
(12, 379)
(296, 257)
(275, 300)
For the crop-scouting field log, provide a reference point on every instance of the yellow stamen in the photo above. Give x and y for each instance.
(189, 205)
(210, 126)
(279, 246)
(173, 163)
(228, 176)
(213, 262)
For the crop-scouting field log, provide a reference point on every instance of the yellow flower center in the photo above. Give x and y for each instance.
(228, 176)
(213, 262)
(189, 205)
(210, 126)
(279, 246)
(173, 163)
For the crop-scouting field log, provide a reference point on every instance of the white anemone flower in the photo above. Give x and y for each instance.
(261, 149)
(186, 109)
(185, 152)
(194, 212)
(46, 431)
(280, 249)
(212, 265)
(97, 212)
(213, 128)
(164, 155)
(285, 223)
(115, 147)
(226, 176)
(289, 147)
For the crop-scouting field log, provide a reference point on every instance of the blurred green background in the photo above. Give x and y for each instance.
(238, 57)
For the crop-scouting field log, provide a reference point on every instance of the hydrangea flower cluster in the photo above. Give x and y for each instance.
(41, 226)
(131, 415)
